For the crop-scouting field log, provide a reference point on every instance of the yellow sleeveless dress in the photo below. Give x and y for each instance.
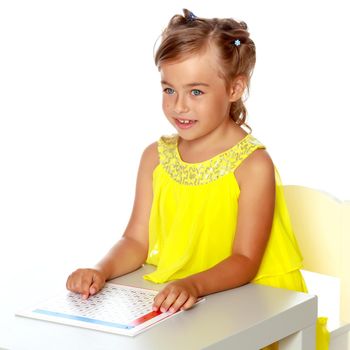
(194, 215)
(193, 218)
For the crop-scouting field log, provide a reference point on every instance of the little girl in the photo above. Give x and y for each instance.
(209, 208)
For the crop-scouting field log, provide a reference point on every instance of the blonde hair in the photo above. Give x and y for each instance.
(187, 34)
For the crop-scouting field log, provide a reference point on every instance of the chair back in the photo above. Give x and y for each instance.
(321, 224)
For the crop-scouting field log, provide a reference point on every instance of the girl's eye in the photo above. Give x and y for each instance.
(169, 91)
(196, 92)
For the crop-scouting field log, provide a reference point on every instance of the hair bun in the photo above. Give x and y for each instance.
(243, 25)
(189, 16)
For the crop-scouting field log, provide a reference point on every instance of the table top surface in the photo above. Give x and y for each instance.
(250, 315)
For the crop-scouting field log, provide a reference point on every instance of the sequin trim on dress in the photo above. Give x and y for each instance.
(207, 171)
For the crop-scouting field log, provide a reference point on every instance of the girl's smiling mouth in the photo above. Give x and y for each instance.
(184, 123)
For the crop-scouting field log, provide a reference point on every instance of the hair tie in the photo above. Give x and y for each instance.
(191, 17)
(236, 42)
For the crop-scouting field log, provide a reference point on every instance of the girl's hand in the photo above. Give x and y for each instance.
(86, 282)
(180, 294)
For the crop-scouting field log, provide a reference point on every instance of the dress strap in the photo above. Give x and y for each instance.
(209, 170)
(244, 149)
(167, 146)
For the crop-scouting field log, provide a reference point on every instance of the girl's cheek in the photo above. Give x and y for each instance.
(166, 104)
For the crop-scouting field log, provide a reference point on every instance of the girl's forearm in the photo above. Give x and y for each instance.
(232, 272)
(125, 256)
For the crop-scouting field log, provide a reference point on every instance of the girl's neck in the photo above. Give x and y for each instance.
(207, 146)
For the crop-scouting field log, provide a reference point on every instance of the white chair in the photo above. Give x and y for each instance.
(321, 224)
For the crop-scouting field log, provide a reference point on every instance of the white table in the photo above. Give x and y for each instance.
(244, 318)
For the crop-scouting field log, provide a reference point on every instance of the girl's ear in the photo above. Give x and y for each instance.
(237, 88)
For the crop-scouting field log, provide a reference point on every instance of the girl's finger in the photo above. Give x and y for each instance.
(158, 300)
(169, 300)
(68, 283)
(189, 303)
(179, 302)
(96, 286)
(85, 287)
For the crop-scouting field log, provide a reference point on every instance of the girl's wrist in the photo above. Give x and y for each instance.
(195, 284)
(102, 271)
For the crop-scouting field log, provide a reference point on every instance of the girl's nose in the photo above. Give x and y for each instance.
(180, 106)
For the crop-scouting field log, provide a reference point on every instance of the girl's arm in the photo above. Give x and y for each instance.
(256, 180)
(130, 252)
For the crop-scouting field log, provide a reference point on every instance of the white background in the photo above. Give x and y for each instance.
(80, 99)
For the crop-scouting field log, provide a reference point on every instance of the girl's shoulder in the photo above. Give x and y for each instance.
(151, 152)
(149, 156)
(258, 162)
(169, 141)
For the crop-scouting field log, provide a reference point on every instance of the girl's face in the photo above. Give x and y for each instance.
(195, 99)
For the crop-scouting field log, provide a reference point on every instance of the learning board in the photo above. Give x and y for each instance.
(118, 309)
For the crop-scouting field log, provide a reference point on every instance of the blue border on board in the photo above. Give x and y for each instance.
(83, 319)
